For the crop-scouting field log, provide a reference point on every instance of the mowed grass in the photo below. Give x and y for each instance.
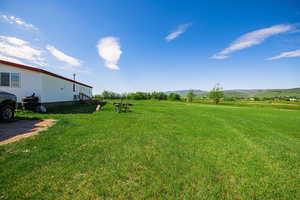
(162, 150)
(258, 104)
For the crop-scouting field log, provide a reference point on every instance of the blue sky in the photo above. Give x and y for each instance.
(147, 45)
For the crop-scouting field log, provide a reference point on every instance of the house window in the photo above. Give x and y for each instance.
(4, 79)
(15, 79)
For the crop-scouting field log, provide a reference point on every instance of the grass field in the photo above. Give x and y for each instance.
(162, 150)
(259, 104)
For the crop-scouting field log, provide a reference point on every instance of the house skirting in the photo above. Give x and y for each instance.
(59, 103)
(53, 104)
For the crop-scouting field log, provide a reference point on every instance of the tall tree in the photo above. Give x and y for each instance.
(216, 93)
(106, 94)
(190, 96)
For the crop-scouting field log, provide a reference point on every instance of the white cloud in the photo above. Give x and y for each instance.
(18, 48)
(14, 41)
(109, 50)
(180, 29)
(220, 56)
(62, 56)
(16, 20)
(287, 54)
(253, 38)
(9, 59)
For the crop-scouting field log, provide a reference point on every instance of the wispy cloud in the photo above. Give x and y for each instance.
(18, 21)
(10, 59)
(287, 54)
(180, 29)
(254, 38)
(21, 49)
(62, 56)
(109, 50)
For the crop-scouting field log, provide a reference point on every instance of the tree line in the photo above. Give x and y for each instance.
(216, 94)
(139, 95)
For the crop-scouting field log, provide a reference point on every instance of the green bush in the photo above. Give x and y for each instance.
(230, 99)
(174, 97)
(159, 95)
(139, 96)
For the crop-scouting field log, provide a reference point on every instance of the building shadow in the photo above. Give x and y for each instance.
(73, 109)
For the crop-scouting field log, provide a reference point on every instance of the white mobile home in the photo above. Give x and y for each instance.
(23, 81)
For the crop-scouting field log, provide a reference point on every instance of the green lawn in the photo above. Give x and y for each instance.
(261, 104)
(162, 150)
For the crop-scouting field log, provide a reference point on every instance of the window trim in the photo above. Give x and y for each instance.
(10, 85)
(19, 80)
(8, 80)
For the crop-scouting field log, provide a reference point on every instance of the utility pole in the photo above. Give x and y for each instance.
(74, 75)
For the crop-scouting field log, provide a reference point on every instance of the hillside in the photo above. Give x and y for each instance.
(183, 92)
(242, 93)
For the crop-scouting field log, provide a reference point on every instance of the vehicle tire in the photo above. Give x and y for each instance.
(7, 113)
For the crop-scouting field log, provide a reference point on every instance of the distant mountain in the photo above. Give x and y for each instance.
(243, 93)
(186, 91)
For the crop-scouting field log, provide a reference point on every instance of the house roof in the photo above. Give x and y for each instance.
(41, 71)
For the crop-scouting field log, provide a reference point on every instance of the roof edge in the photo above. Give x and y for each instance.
(41, 71)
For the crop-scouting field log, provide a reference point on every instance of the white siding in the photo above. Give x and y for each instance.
(58, 90)
(46, 87)
(84, 89)
(30, 82)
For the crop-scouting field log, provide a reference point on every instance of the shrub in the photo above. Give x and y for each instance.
(139, 96)
(174, 97)
(230, 99)
(159, 95)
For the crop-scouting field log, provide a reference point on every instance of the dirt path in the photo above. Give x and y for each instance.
(14, 131)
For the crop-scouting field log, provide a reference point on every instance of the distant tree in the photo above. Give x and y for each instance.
(138, 96)
(106, 94)
(110, 95)
(124, 95)
(154, 95)
(216, 93)
(174, 97)
(162, 96)
(98, 96)
(159, 95)
(114, 95)
(256, 99)
(190, 95)
(230, 98)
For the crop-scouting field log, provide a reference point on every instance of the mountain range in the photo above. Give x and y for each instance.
(246, 93)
